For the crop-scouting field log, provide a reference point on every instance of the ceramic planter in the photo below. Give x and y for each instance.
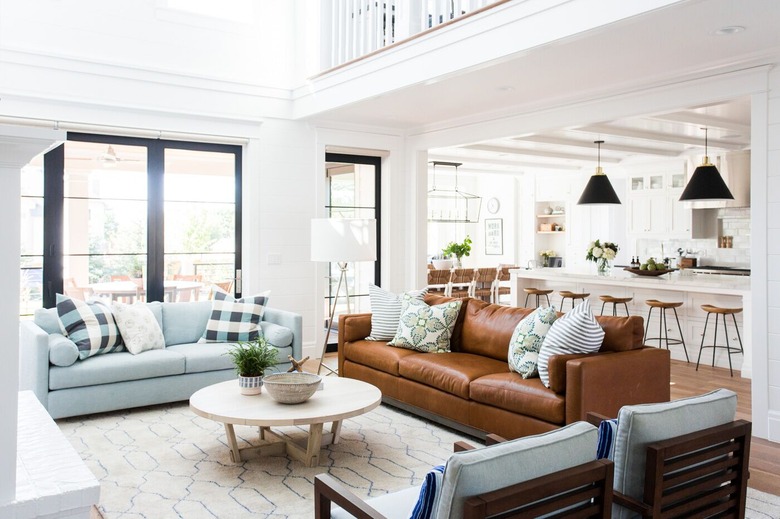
(250, 385)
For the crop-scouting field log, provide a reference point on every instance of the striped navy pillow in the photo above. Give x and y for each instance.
(605, 449)
(386, 311)
(430, 492)
(577, 331)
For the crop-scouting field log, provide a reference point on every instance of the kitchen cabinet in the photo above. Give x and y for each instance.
(654, 207)
(646, 213)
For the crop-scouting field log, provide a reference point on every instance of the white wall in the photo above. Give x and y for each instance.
(766, 244)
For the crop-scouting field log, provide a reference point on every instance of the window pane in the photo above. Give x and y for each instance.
(199, 176)
(105, 214)
(200, 223)
(31, 244)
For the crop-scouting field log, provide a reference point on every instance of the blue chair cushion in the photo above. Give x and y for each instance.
(117, 367)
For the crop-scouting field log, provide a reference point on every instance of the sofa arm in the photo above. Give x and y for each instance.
(605, 383)
(352, 327)
(34, 360)
(289, 320)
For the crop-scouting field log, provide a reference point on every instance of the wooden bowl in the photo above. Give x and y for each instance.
(291, 388)
(639, 272)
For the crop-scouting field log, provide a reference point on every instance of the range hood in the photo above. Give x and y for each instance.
(734, 167)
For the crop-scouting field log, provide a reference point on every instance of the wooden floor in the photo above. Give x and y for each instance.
(686, 381)
(764, 455)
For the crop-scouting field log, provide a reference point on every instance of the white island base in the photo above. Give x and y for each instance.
(693, 290)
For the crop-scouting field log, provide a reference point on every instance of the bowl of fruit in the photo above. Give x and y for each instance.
(649, 268)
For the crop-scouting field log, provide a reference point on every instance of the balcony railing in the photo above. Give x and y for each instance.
(359, 27)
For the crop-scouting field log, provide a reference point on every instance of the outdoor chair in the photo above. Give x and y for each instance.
(685, 458)
(531, 476)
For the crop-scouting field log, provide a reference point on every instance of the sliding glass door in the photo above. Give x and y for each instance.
(136, 219)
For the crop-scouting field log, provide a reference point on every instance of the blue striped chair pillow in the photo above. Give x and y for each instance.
(606, 445)
(577, 331)
(430, 493)
(91, 326)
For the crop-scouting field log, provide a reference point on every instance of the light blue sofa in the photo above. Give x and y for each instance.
(122, 380)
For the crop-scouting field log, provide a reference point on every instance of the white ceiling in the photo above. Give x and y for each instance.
(661, 47)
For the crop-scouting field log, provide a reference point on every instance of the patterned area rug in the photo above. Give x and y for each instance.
(165, 462)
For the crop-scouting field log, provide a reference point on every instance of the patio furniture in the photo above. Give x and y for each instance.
(685, 458)
(532, 476)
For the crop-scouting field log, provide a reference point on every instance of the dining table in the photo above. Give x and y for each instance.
(130, 291)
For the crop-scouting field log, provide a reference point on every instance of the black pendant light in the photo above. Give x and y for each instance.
(706, 182)
(598, 190)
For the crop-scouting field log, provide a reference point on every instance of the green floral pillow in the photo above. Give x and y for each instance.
(426, 328)
(527, 341)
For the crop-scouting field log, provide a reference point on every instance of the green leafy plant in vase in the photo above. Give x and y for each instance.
(251, 359)
(458, 250)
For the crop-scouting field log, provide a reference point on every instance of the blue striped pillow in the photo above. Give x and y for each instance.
(606, 444)
(430, 492)
(577, 331)
(91, 326)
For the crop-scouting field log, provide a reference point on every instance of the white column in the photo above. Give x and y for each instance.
(19, 145)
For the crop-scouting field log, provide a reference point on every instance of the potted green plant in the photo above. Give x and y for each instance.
(458, 249)
(251, 359)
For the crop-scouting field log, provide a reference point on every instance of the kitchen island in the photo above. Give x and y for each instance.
(693, 290)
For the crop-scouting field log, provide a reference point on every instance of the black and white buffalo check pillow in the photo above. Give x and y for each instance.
(235, 320)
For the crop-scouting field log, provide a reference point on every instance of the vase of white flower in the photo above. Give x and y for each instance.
(602, 253)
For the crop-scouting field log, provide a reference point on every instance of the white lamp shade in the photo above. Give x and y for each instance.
(341, 240)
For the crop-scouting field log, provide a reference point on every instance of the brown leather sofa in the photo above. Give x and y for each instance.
(472, 389)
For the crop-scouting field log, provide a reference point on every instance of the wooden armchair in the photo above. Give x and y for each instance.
(531, 476)
(685, 458)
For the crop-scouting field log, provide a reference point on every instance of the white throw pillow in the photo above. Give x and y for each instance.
(386, 311)
(138, 326)
(527, 341)
(577, 331)
(426, 328)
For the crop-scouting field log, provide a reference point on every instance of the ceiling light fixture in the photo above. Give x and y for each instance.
(706, 182)
(452, 205)
(729, 29)
(599, 190)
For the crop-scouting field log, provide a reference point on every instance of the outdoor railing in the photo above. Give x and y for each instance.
(356, 28)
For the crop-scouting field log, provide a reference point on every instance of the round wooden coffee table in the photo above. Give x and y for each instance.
(340, 398)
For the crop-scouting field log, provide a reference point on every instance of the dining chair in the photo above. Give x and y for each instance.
(438, 280)
(484, 287)
(461, 283)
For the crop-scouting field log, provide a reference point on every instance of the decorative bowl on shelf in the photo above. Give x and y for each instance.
(291, 388)
(640, 272)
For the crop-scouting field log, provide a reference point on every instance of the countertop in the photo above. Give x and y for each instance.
(684, 281)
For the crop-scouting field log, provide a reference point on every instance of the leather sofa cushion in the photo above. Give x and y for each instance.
(513, 393)
(376, 354)
(487, 328)
(450, 372)
(621, 333)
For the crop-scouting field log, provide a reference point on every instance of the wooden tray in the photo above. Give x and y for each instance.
(639, 272)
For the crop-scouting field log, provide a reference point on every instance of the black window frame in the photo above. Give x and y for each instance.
(54, 171)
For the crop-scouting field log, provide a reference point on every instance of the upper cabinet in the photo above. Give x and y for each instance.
(653, 206)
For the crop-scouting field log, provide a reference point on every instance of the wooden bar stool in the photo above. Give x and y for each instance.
(663, 329)
(718, 311)
(536, 292)
(565, 294)
(615, 301)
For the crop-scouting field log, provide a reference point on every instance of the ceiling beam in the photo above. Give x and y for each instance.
(474, 162)
(540, 153)
(623, 148)
(704, 120)
(606, 129)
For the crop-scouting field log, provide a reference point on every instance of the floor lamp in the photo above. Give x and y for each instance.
(340, 240)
